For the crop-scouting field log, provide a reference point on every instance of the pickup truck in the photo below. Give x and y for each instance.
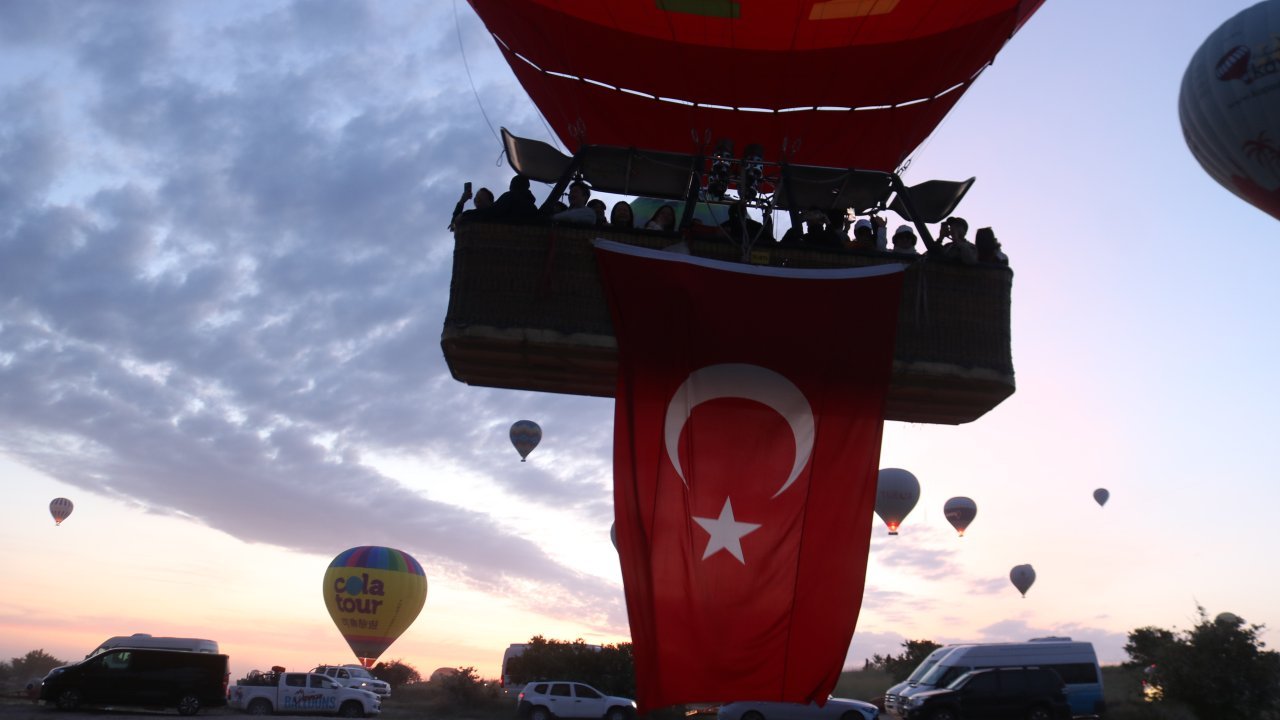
(297, 693)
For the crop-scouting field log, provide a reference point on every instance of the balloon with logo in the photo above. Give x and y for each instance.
(1022, 577)
(60, 508)
(525, 436)
(373, 595)
(1101, 496)
(960, 511)
(1229, 104)
(896, 494)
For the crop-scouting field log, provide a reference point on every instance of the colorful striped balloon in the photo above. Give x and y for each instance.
(525, 436)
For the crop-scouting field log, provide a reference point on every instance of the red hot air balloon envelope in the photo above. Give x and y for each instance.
(670, 75)
(373, 595)
(960, 511)
(1022, 577)
(60, 508)
(896, 494)
(1101, 496)
(525, 436)
(1229, 106)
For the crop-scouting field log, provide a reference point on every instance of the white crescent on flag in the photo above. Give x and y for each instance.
(751, 382)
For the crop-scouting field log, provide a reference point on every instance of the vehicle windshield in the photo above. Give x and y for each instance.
(941, 675)
(924, 666)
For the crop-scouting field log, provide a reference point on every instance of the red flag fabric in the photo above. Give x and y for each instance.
(749, 411)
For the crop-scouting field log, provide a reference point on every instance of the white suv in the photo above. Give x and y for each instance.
(546, 699)
(355, 676)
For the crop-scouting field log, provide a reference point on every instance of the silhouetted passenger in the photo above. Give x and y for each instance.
(578, 212)
(864, 236)
(959, 249)
(517, 202)
(904, 240)
(598, 206)
(740, 226)
(989, 247)
(621, 216)
(663, 219)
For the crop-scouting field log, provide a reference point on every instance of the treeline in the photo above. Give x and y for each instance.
(18, 672)
(608, 668)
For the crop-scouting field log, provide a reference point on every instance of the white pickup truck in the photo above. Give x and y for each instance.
(298, 693)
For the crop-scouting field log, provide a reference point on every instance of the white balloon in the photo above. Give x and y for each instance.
(1229, 104)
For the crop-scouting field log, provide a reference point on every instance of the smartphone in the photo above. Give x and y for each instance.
(467, 187)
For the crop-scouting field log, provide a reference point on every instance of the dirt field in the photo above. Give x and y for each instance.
(11, 709)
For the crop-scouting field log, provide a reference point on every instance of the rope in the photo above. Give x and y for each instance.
(461, 50)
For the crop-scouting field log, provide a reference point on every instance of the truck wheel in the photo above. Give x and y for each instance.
(68, 699)
(351, 708)
(260, 707)
(753, 715)
(618, 713)
(943, 714)
(188, 705)
(540, 713)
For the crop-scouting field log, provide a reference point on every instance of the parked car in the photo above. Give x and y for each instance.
(995, 694)
(140, 677)
(355, 676)
(549, 699)
(834, 709)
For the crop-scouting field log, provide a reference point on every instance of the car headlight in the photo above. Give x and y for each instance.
(915, 702)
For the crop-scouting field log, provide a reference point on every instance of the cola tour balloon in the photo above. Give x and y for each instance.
(1022, 577)
(373, 595)
(60, 508)
(960, 511)
(1229, 106)
(896, 494)
(525, 436)
(1101, 496)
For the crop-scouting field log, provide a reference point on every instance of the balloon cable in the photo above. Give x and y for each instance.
(458, 29)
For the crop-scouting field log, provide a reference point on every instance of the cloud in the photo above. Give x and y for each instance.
(227, 280)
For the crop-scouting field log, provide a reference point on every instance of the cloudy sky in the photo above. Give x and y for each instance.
(224, 266)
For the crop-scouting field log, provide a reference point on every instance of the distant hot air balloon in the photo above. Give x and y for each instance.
(1230, 102)
(960, 511)
(1229, 618)
(613, 535)
(60, 508)
(896, 493)
(1101, 496)
(373, 595)
(525, 435)
(1022, 577)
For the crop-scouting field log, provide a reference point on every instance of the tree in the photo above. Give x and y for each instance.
(36, 664)
(1218, 668)
(396, 673)
(608, 668)
(900, 667)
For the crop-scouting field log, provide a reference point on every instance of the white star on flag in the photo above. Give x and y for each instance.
(726, 533)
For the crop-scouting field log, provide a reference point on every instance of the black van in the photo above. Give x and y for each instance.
(140, 677)
(995, 694)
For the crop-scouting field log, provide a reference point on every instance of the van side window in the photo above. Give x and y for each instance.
(951, 674)
(117, 660)
(560, 690)
(295, 680)
(583, 691)
(1077, 673)
(1014, 680)
(985, 684)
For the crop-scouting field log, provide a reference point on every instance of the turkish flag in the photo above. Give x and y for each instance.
(749, 410)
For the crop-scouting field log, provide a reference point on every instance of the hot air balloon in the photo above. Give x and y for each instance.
(373, 595)
(1229, 103)
(525, 436)
(60, 508)
(1022, 577)
(896, 493)
(696, 101)
(1101, 496)
(960, 511)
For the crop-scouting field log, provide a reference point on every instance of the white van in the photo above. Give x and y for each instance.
(1075, 662)
(504, 679)
(144, 640)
